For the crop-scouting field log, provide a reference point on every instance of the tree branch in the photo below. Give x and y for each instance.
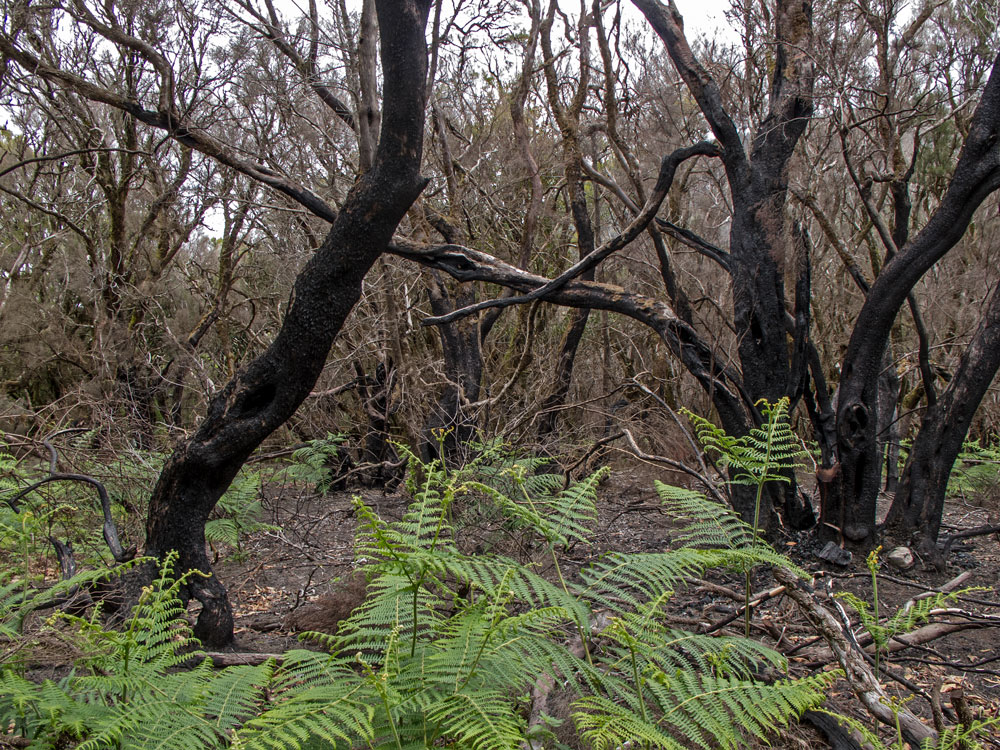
(668, 168)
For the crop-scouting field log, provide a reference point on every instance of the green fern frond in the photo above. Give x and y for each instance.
(568, 515)
(767, 453)
(484, 720)
(709, 524)
(338, 714)
(679, 649)
(313, 462)
(684, 708)
(628, 580)
(919, 612)
(222, 531)
(234, 694)
(966, 736)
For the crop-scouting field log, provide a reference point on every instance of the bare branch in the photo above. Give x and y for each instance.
(638, 225)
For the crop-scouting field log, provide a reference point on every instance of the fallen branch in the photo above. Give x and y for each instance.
(967, 534)
(740, 611)
(917, 637)
(229, 659)
(858, 674)
(109, 529)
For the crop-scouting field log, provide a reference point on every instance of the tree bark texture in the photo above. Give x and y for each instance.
(568, 119)
(268, 391)
(919, 503)
(463, 371)
(762, 247)
(850, 508)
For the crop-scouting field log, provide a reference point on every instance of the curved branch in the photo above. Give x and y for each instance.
(306, 67)
(668, 167)
(666, 20)
(723, 384)
(185, 134)
(110, 530)
(679, 233)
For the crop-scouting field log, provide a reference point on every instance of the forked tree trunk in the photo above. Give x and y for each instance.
(267, 392)
(850, 508)
(919, 503)
(762, 246)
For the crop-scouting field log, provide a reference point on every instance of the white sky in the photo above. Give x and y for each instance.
(703, 17)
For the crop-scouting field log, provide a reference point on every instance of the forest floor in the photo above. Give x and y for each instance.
(286, 581)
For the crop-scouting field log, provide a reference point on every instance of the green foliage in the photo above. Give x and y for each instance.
(129, 690)
(770, 452)
(238, 512)
(977, 470)
(765, 454)
(915, 613)
(314, 462)
(446, 647)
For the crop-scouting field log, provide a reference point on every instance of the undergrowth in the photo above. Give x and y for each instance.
(447, 647)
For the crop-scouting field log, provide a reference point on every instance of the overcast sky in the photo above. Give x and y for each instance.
(702, 16)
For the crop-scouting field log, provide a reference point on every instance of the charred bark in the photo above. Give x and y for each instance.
(851, 505)
(269, 390)
(451, 425)
(919, 503)
(761, 244)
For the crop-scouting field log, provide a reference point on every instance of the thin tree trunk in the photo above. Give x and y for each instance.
(568, 119)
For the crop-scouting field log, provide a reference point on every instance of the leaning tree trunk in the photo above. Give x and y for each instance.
(918, 505)
(269, 390)
(849, 510)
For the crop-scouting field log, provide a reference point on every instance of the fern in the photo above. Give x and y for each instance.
(238, 513)
(314, 462)
(443, 649)
(131, 690)
(770, 452)
(765, 454)
(905, 619)
(683, 708)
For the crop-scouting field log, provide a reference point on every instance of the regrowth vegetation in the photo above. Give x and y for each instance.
(444, 650)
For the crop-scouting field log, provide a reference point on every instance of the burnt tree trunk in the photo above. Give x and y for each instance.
(450, 424)
(267, 392)
(762, 250)
(850, 507)
(918, 505)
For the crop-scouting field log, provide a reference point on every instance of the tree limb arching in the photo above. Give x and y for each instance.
(668, 168)
(719, 381)
(109, 529)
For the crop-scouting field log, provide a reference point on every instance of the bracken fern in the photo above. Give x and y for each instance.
(445, 649)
